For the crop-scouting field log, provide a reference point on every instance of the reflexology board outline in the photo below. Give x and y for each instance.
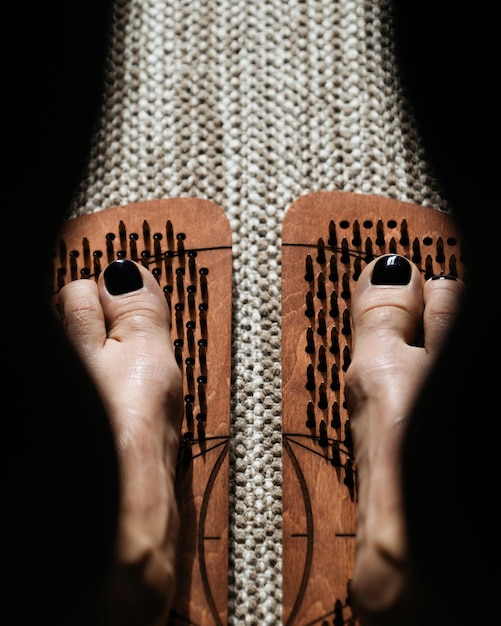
(327, 239)
(186, 244)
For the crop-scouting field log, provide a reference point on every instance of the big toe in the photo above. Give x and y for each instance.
(388, 303)
(133, 303)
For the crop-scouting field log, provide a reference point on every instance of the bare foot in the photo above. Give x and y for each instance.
(120, 328)
(400, 322)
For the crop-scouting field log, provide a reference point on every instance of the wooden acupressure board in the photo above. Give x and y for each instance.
(186, 244)
(327, 239)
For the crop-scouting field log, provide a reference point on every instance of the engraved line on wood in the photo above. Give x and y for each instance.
(201, 533)
(309, 531)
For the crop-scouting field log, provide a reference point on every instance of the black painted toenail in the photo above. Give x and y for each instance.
(391, 270)
(444, 277)
(122, 277)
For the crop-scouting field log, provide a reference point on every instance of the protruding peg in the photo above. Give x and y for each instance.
(168, 269)
(310, 308)
(203, 285)
(147, 235)
(310, 415)
(61, 273)
(168, 299)
(170, 235)
(416, 251)
(192, 266)
(191, 301)
(310, 378)
(334, 310)
(335, 384)
(179, 308)
(369, 252)
(380, 233)
(322, 328)
(322, 361)
(180, 246)
(349, 476)
(336, 456)
(323, 440)
(201, 430)
(453, 269)
(180, 284)
(178, 351)
(310, 343)
(440, 250)
(110, 248)
(333, 273)
(122, 235)
(345, 291)
(321, 251)
(322, 401)
(335, 416)
(334, 348)
(348, 441)
(202, 359)
(74, 264)
(321, 293)
(190, 382)
(96, 261)
(203, 323)
(310, 274)
(157, 273)
(346, 358)
(332, 241)
(86, 252)
(404, 233)
(357, 240)
(188, 412)
(338, 614)
(157, 246)
(428, 264)
(346, 330)
(190, 336)
(202, 398)
(357, 268)
(345, 251)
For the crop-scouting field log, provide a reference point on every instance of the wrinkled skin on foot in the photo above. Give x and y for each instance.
(124, 341)
(398, 331)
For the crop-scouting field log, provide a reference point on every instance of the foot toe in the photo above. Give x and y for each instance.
(388, 301)
(442, 296)
(133, 302)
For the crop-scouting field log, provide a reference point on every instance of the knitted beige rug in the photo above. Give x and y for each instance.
(251, 104)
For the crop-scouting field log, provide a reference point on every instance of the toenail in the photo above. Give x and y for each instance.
(443, 276)
(122, 277)
(391, 270)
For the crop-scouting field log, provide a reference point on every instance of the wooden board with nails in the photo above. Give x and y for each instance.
(327, 239)
(186, 244)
